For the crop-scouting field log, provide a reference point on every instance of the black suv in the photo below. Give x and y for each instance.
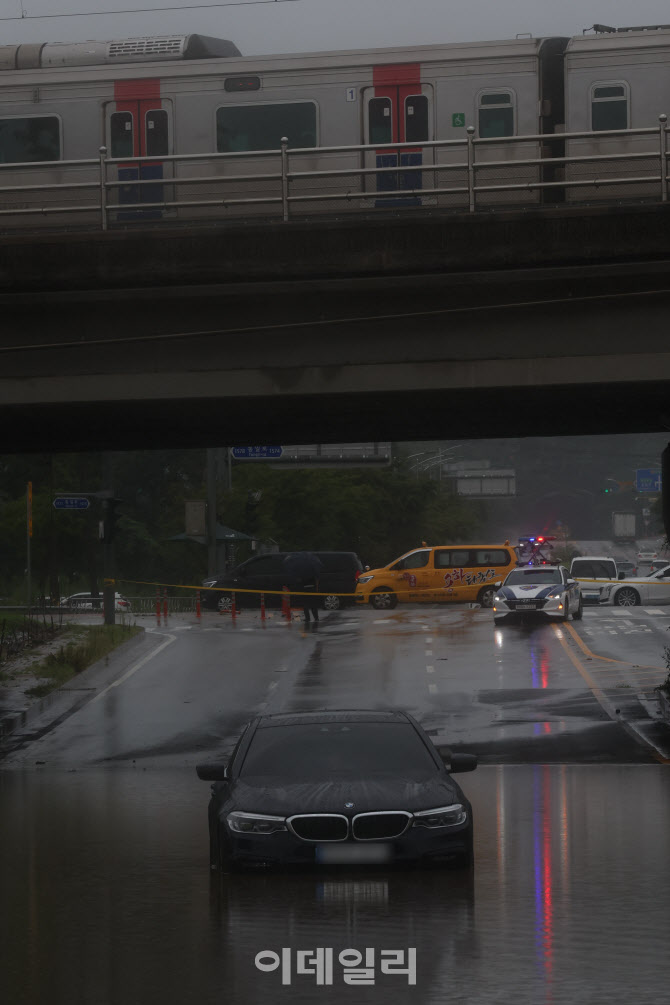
(339, 573)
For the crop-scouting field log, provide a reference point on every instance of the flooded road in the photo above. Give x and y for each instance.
(107, 897)
(106, 893)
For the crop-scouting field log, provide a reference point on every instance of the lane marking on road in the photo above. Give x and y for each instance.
(381, 621)
(654, 610)
(429, 640)
(429, 652)
(138, 666)
(430, 669)
(600, 696)
(432, 688)
(605, 659)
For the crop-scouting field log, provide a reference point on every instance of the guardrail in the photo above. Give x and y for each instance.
(282, 198)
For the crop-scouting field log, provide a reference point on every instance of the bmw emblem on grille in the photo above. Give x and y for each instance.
(348, 806)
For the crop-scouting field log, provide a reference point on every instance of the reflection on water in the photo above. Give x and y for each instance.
(107, 897)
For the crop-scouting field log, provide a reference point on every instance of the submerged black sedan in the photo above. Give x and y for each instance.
(338, 788)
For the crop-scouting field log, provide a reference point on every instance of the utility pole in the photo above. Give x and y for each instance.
(211, 512)
(108, 564)
(29, 534)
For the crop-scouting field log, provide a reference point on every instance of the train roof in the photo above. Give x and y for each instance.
(621, 40)
(99, 56)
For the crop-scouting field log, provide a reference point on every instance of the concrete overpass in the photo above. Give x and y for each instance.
(397, 327)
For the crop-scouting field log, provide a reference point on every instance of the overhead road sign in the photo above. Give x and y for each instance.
(71, 502)
(256, 453)
(647, 480)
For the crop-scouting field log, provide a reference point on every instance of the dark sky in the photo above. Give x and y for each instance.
(314, 25)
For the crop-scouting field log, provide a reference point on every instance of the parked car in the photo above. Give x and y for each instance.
(653, 589)
(266, 573)
(87, 602)
(338, 788)
(592, 572)
(538, 591)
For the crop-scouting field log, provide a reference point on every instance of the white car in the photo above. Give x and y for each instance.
(653, 589)
(538, 590)
(592, 572)
(87, 602)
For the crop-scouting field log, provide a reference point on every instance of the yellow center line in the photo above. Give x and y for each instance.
(598, 693)
(605, 659)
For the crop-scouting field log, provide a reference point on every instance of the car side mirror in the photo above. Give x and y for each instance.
(463, 762)
(497, 586)
(457, 762)
(215, 772)
(571, 582)
(622, 575)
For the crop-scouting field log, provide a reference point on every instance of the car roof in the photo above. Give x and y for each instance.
(594, 558)
(544, 565)
(328, 715)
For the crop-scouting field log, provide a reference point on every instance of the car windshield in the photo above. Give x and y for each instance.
(532, 577)
(326, 750)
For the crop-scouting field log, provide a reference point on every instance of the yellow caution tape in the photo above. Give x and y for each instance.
(237, 589)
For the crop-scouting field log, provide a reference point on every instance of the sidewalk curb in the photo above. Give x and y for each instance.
(65, 699)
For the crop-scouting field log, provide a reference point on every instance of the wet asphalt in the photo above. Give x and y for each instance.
(106, 892)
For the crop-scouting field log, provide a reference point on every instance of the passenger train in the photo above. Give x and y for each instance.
(202, 115)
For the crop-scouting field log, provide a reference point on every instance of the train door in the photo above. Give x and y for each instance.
(397, 109)
(139, 124)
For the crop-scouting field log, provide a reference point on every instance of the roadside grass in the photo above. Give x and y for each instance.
(20, 633)
(89, 645)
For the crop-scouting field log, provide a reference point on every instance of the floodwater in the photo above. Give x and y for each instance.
(107, 898)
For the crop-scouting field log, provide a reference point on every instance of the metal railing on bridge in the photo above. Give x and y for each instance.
(467, 174)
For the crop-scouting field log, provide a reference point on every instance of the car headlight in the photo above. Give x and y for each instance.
(255, 823)
(554, 596)
(364, 579)
(498, 600)
(443, 816)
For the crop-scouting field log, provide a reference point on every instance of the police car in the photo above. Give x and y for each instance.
(538, 590)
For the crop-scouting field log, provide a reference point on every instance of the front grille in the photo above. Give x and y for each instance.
(319, 826)
(377, 826)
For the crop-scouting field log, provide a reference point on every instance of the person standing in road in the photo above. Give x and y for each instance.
(304, 569)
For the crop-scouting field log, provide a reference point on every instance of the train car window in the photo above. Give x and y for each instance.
(609, 107)
(121, 134)
(156, 136)
(416, 118)
(380, 122)
(261, 127)
(33, 138)
(496, 114)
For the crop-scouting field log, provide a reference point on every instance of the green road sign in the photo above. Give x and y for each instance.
(458, 119)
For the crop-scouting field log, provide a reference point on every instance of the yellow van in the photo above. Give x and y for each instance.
(459, 572)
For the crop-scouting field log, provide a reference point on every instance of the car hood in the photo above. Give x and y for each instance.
(536, 592)
(264, 795)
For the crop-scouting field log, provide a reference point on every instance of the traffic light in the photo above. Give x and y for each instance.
(251, 510)
(110, 519)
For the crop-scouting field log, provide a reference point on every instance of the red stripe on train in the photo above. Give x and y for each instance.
(137, 90)
(402, 74)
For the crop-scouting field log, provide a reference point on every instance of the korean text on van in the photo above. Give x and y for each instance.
(460, 573)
